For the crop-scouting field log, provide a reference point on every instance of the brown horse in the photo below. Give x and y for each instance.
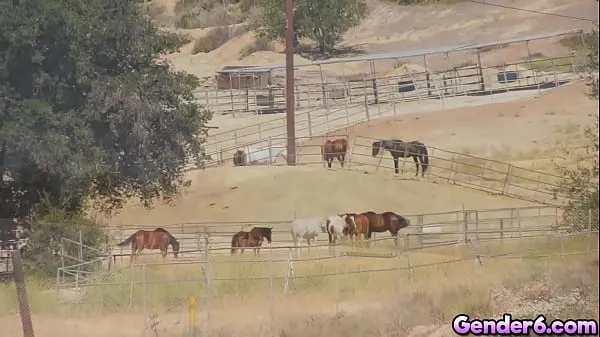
(333, 149)
(253, 238)
(239, 158)
(156, 239)
(358, 226)
(386, 221)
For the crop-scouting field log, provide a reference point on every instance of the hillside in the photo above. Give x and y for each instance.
(388, 27)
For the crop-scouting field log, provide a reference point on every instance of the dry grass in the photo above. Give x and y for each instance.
(384, 303)
(216, 38)
(258, 44)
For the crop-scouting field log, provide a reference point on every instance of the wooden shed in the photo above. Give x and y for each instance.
(243, 80)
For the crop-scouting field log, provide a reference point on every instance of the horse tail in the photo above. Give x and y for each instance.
(234, 242)
(424, 158)
(128, 240)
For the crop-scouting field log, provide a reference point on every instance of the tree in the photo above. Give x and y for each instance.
(87, 109)
(88, 112)
(580, 185)
(323, 21)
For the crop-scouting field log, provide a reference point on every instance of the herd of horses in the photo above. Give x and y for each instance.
(353, 226)
(337, 149)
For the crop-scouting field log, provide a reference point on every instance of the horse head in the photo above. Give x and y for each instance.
(175, 245)
(267, 233)
(375, 147)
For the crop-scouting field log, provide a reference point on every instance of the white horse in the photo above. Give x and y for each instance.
(335, 225)
(264, 156)
(307, 229)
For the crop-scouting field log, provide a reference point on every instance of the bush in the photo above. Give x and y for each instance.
(259, 44)
(41, 257)
(216, 38)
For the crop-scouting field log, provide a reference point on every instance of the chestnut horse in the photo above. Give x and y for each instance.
(159, 238)
(333, 149)
(358, 226)
(386, 221)
(253, 238)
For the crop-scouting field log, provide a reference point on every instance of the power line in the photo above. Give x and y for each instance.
(532, 11)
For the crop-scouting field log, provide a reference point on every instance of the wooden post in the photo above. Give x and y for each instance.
(427, 78)
(22, 299)
(374, 79)
(231, 95)
(480, 71)
(501, 229)
(192, 313)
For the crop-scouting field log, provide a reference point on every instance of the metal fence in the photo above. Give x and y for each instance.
(450, 166)
(332, 104)
(214, 238)
(197, 296)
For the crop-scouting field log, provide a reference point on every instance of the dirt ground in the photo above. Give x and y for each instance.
(502, 131)
(391, 28)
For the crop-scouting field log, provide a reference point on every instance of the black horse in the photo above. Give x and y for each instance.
(400, 149)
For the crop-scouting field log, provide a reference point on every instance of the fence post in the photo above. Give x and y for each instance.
(351, 156)
(308, 119)
(192, 311)
(477, 225)
(19, 277)
(272, 293)
(270, 151)
(506, 183)
(420, 229)
(207, 280)
(465, 226)
(589, 231)
(145, 309)
(501, 229)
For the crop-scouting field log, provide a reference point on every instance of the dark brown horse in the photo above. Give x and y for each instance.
(333, 149)
(159, 238)
(386, 221)
(400, 149)
(253, 238)
(239, 158)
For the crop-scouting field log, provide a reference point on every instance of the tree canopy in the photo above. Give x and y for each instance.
(323, 21)
(87, 107)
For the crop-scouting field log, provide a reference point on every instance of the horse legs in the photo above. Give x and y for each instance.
(417, 164)
(396, 165)
(163, 253)
(342, 158)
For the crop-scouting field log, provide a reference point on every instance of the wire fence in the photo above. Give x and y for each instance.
(196, 294)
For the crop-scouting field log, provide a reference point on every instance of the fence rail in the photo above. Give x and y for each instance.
(453, 167)
(331, 112)
(201, 289)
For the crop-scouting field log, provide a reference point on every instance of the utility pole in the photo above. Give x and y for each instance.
(289, 83)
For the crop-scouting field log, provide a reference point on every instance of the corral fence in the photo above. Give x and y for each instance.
(340, 101)
(460, 226)
(197, 296)
(467, 170)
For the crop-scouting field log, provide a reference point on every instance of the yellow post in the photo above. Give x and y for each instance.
(192, 309)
